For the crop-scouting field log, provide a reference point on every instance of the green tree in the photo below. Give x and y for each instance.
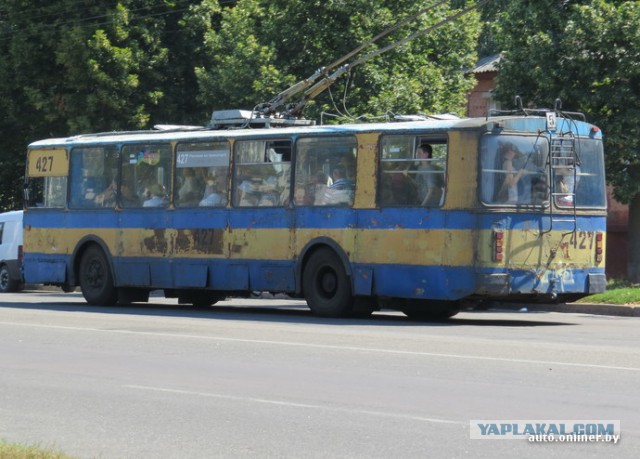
(262, 47)
(586, 53)
(241, 68)
(71, 66)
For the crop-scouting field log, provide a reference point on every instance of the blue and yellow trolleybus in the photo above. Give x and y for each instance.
(419, 216)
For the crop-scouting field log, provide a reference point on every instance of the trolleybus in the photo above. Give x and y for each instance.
(420, 216)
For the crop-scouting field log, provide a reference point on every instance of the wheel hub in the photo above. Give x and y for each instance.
(328, 283)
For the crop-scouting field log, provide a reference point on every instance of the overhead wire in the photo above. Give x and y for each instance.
(384, 33)
(328, 80)
(285, 96)
(75, 7)
(89, 22)
(420, 32)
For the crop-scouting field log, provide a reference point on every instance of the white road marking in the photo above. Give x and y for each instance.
(293, 404)
(329, 346)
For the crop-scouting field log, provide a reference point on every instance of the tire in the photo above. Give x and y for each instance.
(7, 284)
(326, 285)
(96, 280)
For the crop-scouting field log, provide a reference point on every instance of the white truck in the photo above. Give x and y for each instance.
(11, 251)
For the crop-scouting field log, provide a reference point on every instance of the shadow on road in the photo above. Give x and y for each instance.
(275, 310)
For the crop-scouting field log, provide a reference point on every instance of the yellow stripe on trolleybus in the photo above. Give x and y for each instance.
(522, 249)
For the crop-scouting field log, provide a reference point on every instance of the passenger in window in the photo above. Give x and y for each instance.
(249, 194)
(568, 183)
(539, 189)
(156, 196)
(214, 196)
(299, 196)
(316, 189)
(339, 179)
(270, 185)
(275, 187)
(311, 190)
(403, 188)
(108, 196)
(270, 191)
(429, 177)
(190, 190)
(508, 192)
(341, 190)
(348, 163)
(128, 198)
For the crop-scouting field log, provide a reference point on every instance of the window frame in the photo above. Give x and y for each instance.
(408, 191)
(101, 189)
(318, 184)
(146, 199)
(270, 185)
(540, 146)
(213, 184)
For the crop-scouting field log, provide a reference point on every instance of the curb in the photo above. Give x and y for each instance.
(622, 310)
(580, 308)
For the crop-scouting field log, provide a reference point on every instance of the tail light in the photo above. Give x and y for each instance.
(20, 255)
(498, 245)
(599, 247)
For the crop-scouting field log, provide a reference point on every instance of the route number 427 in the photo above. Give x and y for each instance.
(582, 240)
(44, 164)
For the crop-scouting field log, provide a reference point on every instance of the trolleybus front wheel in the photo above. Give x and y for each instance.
(326, 285)
(96, 280)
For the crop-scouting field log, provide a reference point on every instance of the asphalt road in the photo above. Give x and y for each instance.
(264, 378)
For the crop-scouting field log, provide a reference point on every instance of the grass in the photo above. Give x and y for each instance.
(19, 451)
(618, 292)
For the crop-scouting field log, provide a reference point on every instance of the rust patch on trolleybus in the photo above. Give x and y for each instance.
(207, 240)
(185, 241)
(157, 242)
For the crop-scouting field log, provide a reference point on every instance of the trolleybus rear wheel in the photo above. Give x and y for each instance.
(326, 285)
(96, 279)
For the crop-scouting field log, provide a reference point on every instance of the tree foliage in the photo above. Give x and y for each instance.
(71, 66)
(586, 53)
(261, 48)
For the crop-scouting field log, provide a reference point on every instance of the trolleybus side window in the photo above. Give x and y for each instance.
(47, 173)
(202, 171)
(47, 192)
(513, 170)
(262, 173)
(325, 171)
(412, 171)
(146, 170)
(94, 173)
